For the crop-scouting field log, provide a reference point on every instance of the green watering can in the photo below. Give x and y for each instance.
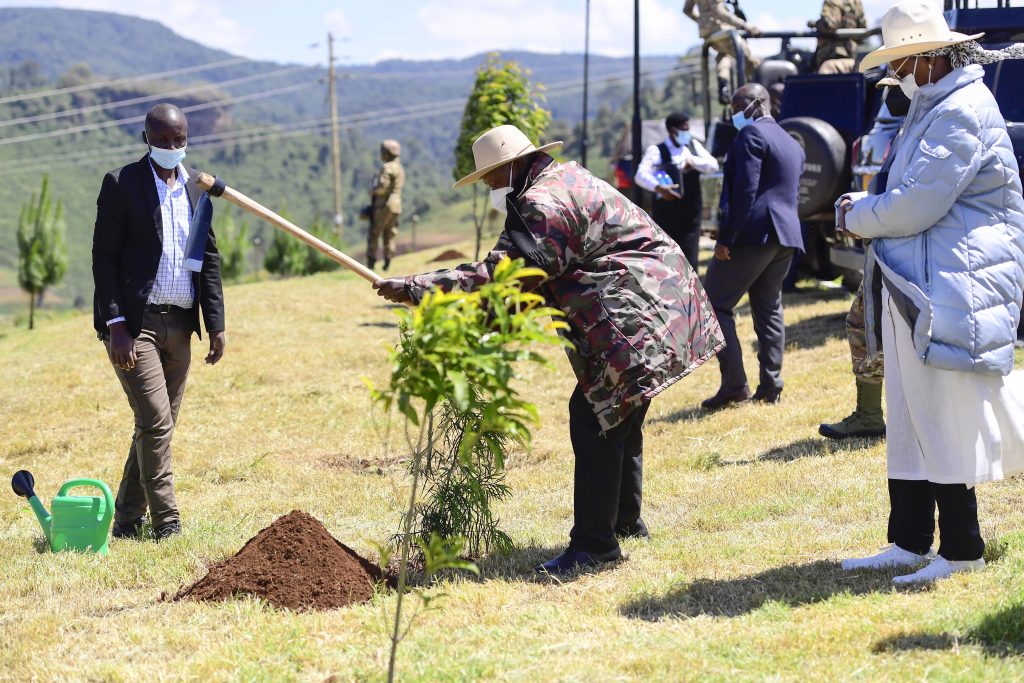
(78, 522)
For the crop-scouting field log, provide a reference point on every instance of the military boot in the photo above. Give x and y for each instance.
(865, 421)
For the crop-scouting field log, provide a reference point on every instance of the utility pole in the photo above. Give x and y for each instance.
(584, 143)
(335, 144)
(637, 191)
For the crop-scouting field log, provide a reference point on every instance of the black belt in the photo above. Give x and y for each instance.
(166, 308)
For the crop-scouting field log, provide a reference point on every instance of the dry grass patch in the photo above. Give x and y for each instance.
(750, 511)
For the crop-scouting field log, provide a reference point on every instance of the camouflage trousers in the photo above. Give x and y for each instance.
(866, 368)
(726, 59)
(839, 65)
(383, 228)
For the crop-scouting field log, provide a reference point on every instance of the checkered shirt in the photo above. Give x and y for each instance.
(173, 283)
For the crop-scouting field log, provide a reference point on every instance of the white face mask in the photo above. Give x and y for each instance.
(166, 158)
(908, 84)
(498, 196)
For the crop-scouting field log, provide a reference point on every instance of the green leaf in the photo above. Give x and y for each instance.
(405, 407)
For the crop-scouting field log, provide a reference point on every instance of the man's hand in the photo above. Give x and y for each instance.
(393, 289)
(667, 193)
(122, 346)
(218, 340)
(845, 207)
(754, 31)
(722, 252)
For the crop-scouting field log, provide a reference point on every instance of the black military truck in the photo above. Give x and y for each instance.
(846, 128)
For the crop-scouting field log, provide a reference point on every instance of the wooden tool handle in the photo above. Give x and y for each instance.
(217, 188)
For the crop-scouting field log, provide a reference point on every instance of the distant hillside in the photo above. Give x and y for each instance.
(284, 160)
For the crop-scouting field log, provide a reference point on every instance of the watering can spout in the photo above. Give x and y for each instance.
(23, 484)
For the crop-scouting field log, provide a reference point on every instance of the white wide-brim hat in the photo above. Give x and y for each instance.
(912, 28)
(497, 147)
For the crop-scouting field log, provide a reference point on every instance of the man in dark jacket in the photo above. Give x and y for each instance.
(757, 237)
(147, 305)
(638, 319)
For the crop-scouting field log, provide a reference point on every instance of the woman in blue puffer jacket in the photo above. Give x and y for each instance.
(948, 238)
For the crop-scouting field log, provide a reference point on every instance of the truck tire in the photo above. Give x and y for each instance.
(826, 170)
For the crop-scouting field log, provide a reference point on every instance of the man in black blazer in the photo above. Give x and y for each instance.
(757, 237)
(147, 305)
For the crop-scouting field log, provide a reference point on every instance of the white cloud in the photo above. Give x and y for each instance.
(769, 47)
(874, 9)
(337, 22)
(530, 25)
(201, 21)
(387, 54)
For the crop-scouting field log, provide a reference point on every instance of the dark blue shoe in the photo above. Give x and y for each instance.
(635, 529)
(573, 560)
(132, 529)
(166, 530)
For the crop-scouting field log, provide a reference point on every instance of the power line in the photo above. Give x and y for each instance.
(242, 138)
(22, 97)
(268, 93)
(306, 127)
(269, 133)
(136, 119)
(256, 136)
(147, 98)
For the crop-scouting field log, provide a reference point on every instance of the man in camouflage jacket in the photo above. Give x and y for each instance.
(837, 56)
(638, 318)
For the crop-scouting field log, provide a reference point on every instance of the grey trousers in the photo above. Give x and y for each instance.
(759, 272)
(154, 388)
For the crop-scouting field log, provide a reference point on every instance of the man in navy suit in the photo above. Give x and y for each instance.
(757, 237)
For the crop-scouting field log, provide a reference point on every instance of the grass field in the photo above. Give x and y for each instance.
(749, 510)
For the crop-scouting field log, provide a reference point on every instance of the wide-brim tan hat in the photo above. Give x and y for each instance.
(912, 28)
(497, 147)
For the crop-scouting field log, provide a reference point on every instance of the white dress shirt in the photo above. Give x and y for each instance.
(173, 283)
(699, 160)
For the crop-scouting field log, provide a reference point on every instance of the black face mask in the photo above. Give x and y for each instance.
(897, 102)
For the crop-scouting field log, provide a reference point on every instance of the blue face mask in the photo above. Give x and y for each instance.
(741, 121)
(166, 158)
(684, 137)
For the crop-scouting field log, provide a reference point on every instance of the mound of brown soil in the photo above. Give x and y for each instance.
(449, 255)
(294, 563)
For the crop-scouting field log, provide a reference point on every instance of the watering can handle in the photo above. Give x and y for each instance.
(108, 511)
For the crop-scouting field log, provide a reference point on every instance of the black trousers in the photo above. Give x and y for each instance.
(757, 271)
(681, 220)
(608, 475)
(912, 518)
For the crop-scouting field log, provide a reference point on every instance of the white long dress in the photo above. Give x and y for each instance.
(945, 426)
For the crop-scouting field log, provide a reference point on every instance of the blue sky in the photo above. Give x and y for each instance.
(369, 30)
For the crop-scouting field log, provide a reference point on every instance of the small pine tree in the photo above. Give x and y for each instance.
(501, 95)
(42, 252)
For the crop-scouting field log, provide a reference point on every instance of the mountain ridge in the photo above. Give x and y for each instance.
(286, 166)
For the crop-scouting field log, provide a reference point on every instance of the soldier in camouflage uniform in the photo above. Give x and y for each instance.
(638, 318)
(713, 16)
(867, 419)
(837, 56)
(387, 203)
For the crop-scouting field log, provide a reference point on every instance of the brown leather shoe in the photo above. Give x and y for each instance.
(726, 397)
